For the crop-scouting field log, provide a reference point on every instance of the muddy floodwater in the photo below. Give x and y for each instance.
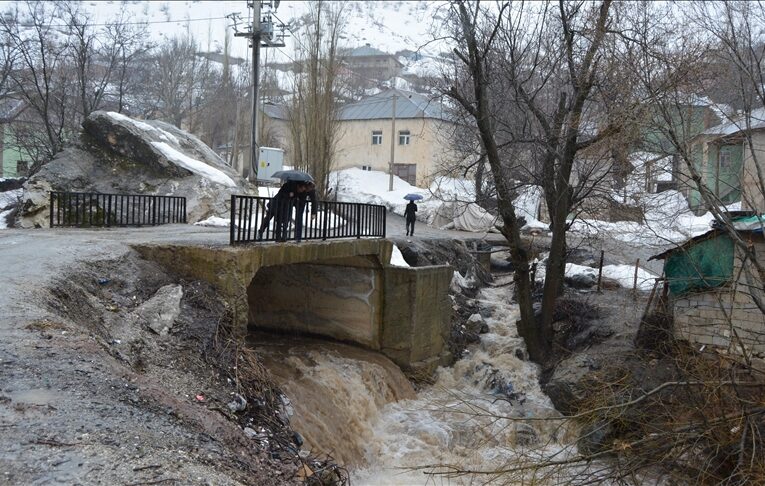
(481, 414)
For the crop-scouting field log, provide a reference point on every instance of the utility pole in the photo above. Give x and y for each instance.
(254, 155)
(261, 34)
(392, 144)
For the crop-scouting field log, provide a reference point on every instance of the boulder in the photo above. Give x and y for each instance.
(117, 154)
(160, 312)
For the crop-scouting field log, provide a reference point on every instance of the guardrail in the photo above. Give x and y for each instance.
(89, 209)
(292, 221)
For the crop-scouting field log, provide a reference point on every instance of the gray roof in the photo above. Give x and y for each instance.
(756, 121)
(408, 105)
(275, 111)
(367, 50)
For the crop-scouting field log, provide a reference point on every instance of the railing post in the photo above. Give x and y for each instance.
(51, 208)
(325, 222)
(358, 221)
(231, 223)
(184, 211)
(384, 221)
(108, 210)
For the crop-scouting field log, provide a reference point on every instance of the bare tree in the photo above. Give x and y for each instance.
(173, 80)
(41, 78)
(528, 78)
(314, 107)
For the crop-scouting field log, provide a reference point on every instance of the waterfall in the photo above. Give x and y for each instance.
(482, 414)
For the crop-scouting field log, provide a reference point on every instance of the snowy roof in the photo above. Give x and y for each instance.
(10, 109)
(756, 119)
(408, 105)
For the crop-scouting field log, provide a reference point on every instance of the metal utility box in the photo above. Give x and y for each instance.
(270, 160)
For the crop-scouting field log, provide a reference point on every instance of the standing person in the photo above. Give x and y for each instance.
(409, 214)
(305, 191)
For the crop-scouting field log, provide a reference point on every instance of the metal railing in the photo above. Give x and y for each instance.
(295, 221)
(88, 209)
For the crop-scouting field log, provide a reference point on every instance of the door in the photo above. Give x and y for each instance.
(408, 172)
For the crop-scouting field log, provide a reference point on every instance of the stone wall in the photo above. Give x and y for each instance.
(417, 314)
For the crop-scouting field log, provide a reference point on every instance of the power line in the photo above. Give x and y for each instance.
(146, 22)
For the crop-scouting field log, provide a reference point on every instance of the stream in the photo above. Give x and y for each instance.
(480, 415)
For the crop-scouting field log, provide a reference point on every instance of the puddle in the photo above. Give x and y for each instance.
(35, 396)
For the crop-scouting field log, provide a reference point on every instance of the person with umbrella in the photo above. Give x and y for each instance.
(280, 206)
(409, 213)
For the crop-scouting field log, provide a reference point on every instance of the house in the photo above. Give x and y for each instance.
(424, 129)
(371, 63)
(728, 164)
(12, 160)
(714, 289)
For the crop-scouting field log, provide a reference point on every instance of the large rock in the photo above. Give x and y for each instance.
(160, 312)
(117, 154)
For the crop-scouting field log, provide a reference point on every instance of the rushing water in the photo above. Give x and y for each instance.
(482, 414)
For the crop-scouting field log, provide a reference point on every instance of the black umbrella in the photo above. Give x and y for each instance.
(293, 175)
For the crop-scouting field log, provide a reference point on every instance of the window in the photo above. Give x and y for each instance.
(725, 157)
(403, 137)
(21, 168)
(376, 137)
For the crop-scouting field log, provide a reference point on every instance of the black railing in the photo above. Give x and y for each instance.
(86, 209)
(295, 221)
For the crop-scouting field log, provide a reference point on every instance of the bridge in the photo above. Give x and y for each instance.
(338, 283)
(341, 289)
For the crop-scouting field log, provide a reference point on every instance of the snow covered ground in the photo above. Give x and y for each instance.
(668, 221)
(7, 200)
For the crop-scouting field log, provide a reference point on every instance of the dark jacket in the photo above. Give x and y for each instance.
(302, 198)
(411, 208)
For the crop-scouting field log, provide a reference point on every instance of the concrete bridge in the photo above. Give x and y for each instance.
(341, 289)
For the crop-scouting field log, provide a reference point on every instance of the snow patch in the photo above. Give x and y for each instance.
(206, 171)
(625, 275)
(397, 259)
(9, 198)
(162, 134)
(214, 221)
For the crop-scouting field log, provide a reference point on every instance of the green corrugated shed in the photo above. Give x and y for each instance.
(701, 265)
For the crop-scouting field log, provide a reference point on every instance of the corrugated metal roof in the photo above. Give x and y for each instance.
(408, 105)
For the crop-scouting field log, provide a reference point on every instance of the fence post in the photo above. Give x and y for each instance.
(384, 221)
(231, 223)
(634, 280)
(51, 208)
(184, 211)
(600, 269)
(358, 221)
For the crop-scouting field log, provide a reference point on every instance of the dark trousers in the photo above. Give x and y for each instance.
(409, 226)
(299, 211)
(282, 214)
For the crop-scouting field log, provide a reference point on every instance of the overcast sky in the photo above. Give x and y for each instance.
(389, 25)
